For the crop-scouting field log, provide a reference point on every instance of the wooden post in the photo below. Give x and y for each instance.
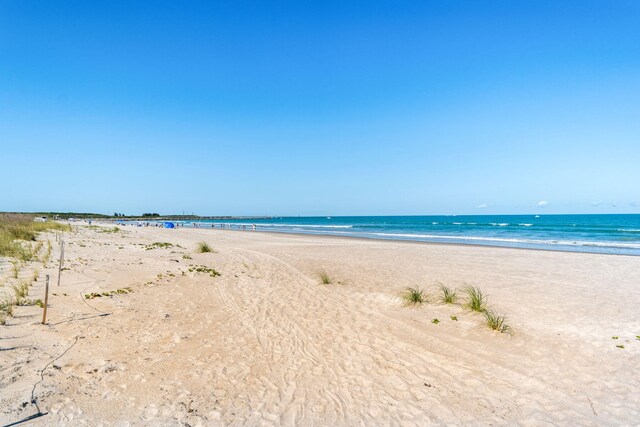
(46, 301)
(61, 260)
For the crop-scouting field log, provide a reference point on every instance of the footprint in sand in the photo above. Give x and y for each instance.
(150, 412)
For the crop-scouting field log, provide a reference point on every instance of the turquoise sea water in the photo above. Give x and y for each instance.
(615, 234)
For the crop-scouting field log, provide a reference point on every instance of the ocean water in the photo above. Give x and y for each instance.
(613, 234)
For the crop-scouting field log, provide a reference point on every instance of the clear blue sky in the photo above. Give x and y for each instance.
(303, 108)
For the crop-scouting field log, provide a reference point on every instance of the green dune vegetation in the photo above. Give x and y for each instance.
(18, 234)
(414, 296)
(203, 247)
(475, 301)
(18, 243)
(325, 278)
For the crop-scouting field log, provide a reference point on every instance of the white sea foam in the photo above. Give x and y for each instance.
(506, 241)
(305, 225)
(249, 224)
(499, 224)
(521, 241)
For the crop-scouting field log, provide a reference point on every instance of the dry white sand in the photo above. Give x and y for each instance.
(266, 344)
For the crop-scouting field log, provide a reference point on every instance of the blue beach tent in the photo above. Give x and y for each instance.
(169, 225)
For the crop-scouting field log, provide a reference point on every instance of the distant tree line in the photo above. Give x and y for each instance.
(148, 214)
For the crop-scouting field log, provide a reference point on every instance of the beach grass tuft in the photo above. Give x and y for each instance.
(476, 300)
(203, 247)
(497, 322)
(414, 296)
(449, 295)
(325, 278)
(6, 305)
(15, 269)
(46, 256)
(21, 290)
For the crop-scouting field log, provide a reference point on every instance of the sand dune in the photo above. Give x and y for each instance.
(265, 343)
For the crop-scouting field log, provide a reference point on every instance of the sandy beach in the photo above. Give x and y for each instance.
(266, 343)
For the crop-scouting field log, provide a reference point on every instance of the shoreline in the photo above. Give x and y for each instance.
(479, 245)
(391, 239)
(606, 234)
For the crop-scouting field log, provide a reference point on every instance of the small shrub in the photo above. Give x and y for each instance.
(496, 322)
(614, 338)
(204, 269)
(6, 306)
(185, 256)
(414, 296)
(620, 346)
(203, 247)
(109, 230)
(3, 318)
(93, 295)
(158, 245)
(449, 295)
(454, 318)
(435, 321)
(476, 300)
